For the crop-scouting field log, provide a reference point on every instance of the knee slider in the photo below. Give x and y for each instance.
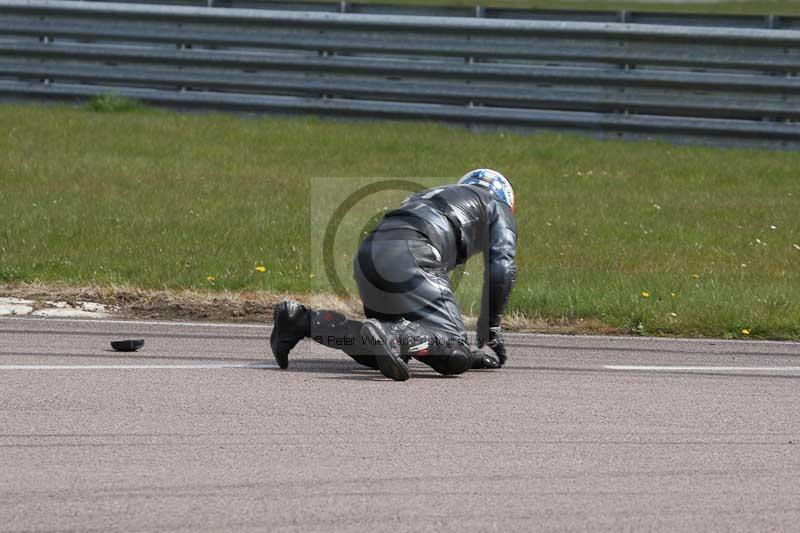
(458, 362)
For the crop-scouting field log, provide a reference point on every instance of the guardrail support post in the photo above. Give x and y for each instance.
(625, 18)
(771, 21)
(479, 13)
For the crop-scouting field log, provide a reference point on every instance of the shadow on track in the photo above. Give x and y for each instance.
(350, 370)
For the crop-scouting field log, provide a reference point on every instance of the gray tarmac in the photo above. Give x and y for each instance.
(199, 431)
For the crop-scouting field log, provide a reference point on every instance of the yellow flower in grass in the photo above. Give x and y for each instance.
(746, 332)
(212, 279)
(645, 294)
(261, 269)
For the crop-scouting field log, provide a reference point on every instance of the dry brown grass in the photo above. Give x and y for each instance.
(253, 307)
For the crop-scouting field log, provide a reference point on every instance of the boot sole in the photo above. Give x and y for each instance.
(281, 356)
(390, 366)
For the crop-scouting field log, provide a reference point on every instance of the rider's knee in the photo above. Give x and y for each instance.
(450, 362)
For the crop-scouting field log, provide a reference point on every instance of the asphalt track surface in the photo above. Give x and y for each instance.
(199, 431)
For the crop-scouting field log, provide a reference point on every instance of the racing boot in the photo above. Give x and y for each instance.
(291, 324)
(384, 346)
(484, 361)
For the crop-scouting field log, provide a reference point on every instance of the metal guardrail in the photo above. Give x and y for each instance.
(728, 84)
(633, 17)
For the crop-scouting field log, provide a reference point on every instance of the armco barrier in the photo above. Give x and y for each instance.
(726, 84)
(372, 8)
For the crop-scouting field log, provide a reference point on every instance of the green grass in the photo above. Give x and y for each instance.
(113, 103)
(731, 7)
(156, 199)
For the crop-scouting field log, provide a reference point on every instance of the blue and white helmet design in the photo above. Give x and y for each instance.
(492, 181)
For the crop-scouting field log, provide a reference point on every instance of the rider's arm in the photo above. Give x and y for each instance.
(499, 269)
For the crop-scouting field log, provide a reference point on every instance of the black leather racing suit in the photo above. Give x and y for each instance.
(402, 267)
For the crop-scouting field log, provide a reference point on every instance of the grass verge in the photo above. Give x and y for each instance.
(637, 237)
(113, 103)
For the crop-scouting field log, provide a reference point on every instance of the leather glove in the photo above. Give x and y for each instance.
(482, 360)
(491, 337)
